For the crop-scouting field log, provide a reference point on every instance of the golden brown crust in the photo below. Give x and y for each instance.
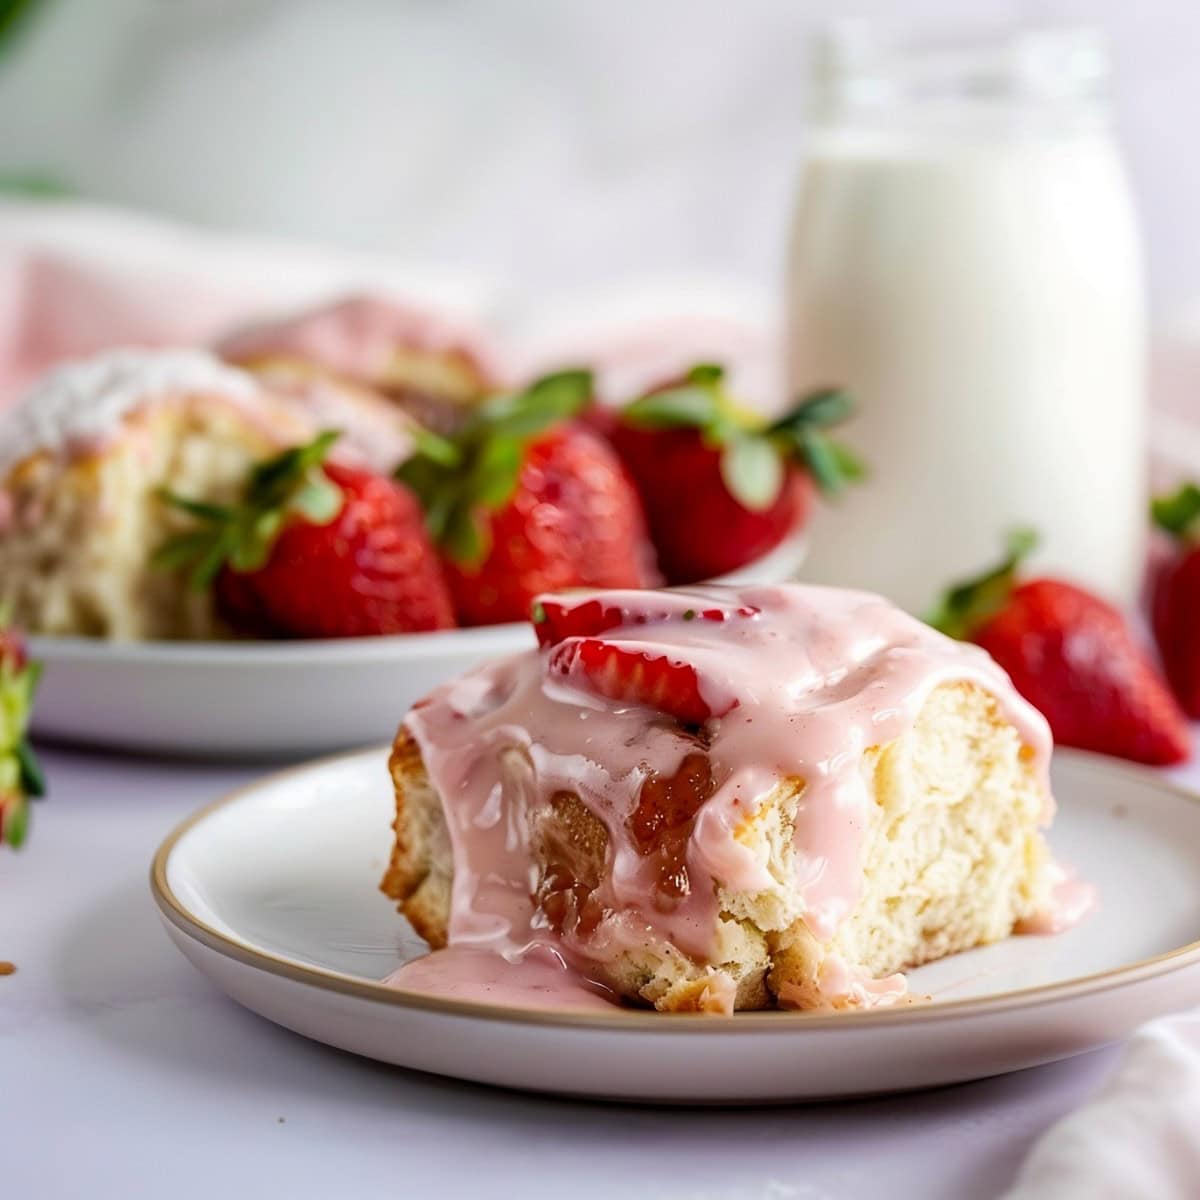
(418, 875)
(954, 859)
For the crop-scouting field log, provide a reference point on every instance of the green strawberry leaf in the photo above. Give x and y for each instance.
(273, 481)
(752, 471)
(468, 538)
(819, 410)
(675, 408)
(968, 605)
(212, 513)
(15, 820)
(33, 780)
(831, 464)
(21, 775)
(850, 466)
(706, 374)
(546, 402)
(495, 470)
(434, 448)
(801, 434)
(179, 551)
(1179, 513)
(460, 480)
(289, 486)
(819, 458)
(318, 500)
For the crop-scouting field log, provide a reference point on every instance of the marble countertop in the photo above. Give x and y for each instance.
(123, 1072)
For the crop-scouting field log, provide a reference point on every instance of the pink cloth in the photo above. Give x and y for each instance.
(75, 279)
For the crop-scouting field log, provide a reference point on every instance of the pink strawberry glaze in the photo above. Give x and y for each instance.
(357, 337)
(538, 979)
(816, 677)
(1071, 900)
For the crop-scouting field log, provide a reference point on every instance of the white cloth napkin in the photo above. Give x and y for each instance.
(1139, 1137)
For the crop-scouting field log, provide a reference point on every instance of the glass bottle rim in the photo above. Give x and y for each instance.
(880, 69)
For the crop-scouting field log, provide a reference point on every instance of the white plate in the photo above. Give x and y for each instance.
(269, 699)
(272, 894)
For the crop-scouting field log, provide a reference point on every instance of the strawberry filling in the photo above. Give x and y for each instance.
(660, 827)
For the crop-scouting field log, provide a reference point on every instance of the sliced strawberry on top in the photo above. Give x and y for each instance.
(1072, 656)
(634, 676)
(562, 615)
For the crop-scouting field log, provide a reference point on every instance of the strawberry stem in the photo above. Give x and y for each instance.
(292, 485)
(1179, 513)
(460, 480)
(701, 402)
(21, 775)
(965, 606)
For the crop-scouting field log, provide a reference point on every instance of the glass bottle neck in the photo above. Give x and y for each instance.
(880, 79)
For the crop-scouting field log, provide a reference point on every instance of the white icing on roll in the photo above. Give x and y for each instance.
(84, 403)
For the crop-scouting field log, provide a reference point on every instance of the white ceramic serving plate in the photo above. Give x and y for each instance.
(272, 699)
(271, 893)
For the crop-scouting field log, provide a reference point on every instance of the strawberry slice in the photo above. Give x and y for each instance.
(566, 615)
(635, 676)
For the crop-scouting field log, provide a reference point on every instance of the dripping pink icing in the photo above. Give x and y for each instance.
(814, 678)
(1071, 899)
(357, 337)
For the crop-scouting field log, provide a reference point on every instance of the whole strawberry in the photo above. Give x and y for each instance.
(1175, 603)
(526, 499)
(721, 486)
(315, 549)
(20, 776)
(1072, 656)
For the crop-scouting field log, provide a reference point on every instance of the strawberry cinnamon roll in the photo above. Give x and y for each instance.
(427, 368)
(83, 457)
(716, 799)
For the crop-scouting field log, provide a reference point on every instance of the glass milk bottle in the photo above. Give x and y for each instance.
(966, 262)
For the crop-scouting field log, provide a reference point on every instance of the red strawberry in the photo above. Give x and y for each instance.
(556, 618)
(635, 676)
(12, 650)
(20, 775)
(525, 500)
(1072, 656)
(1176, 596)
(316, 549)
(720, 486)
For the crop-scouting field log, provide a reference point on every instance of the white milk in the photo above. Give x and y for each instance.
(978, 289)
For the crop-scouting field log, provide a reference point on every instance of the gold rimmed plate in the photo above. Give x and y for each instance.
(271, 892)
